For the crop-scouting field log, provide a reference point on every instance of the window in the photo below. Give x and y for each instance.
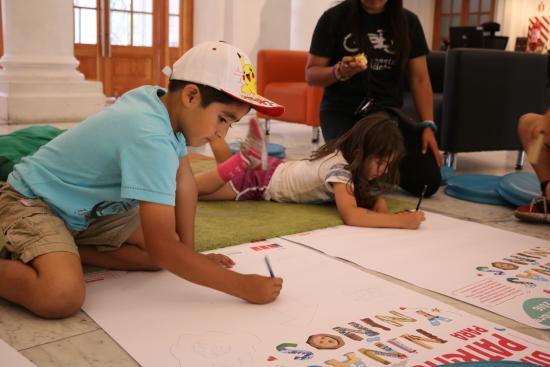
(451, 13)
(174, 23)
(85, 22)
(131, 22)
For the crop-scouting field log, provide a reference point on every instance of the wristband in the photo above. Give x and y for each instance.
(334, 76)
(429, 124)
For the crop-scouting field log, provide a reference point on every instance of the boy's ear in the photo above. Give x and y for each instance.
(190, 95)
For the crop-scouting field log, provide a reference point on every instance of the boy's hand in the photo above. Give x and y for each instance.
(220, 259)
(411, 220)
(259, 289)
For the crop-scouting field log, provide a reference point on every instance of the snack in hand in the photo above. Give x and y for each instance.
(361, 58)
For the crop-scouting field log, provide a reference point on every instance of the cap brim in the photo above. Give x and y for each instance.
(259, 103)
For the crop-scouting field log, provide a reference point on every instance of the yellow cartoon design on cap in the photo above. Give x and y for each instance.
(249, 77)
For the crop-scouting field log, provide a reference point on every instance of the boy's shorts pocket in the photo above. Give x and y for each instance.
(30, 228)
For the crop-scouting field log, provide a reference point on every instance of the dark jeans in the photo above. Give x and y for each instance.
(416, 169)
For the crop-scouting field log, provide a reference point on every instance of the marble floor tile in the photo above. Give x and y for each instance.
(90, 349)
(23, 330)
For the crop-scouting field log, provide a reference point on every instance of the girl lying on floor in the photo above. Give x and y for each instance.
(353, 170)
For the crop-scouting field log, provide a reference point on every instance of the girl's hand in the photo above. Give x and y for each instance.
(429, 142)
(349, 67)
(411, 220)
(221, 260)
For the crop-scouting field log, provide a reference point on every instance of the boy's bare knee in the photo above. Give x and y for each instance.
(59, 300)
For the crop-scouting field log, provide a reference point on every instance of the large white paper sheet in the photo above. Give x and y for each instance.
(10, 357)
(162, 320)
(504, 272)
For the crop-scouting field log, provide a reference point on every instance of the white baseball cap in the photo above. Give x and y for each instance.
(226, 68)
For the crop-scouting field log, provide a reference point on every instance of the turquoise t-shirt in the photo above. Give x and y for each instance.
(105, 164)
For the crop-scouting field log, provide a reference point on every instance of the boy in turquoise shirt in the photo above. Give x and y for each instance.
(117, 190)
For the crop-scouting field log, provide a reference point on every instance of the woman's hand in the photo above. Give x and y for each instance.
(349, 67)
(429, 142)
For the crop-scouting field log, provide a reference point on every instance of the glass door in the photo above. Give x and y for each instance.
(126, 43)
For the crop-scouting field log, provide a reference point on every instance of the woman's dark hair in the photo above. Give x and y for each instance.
(398, 29)
(208, 94)
(375, 136)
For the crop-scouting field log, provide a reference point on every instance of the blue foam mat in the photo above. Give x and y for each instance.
(477, 188)
(518, 188)
(273, 150)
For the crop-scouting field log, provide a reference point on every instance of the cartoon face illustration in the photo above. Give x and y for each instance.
(325, 341)
(504, 266)
(249, 77)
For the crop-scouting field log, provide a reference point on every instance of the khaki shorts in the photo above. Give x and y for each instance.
(31, 229)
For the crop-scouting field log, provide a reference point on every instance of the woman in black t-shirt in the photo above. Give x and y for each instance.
(393, 41)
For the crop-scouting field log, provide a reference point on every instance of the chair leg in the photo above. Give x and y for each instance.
(315, 134)
(267, 126)
(450, 159)
(520, 160)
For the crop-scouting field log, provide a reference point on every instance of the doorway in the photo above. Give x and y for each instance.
(126, 43)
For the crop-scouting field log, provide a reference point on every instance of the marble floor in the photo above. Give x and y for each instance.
(78, 341)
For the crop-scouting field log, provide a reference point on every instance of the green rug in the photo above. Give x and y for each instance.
(225, 223)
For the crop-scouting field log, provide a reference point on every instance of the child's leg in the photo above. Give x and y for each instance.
(529, 128)
(50, 286)
(209, 182)
(242, 185)
(221, 150)
(45, 275)
(212, 186)
(115, 242)
(225, 193)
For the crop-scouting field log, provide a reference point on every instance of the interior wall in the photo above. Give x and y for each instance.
(248, 24)
(304, 15)
(513, 16)
(424, 9)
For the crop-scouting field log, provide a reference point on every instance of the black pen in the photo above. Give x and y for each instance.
(269, 267)
(421, 196)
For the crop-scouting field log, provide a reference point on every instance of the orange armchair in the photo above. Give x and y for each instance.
(281, 78)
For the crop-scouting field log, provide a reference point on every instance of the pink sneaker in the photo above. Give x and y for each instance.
(254, 147)
(536, 212)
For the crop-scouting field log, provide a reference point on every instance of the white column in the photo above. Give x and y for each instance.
(39, 82)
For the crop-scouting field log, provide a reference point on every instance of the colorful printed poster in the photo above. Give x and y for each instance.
(504, 272)
(10, 357)
(329, 314)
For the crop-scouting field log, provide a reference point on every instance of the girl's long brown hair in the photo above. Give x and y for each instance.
(376, 136)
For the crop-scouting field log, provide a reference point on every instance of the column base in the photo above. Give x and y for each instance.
(27, 102)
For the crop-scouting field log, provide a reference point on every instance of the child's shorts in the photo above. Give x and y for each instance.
(31, 229)
(251, 185)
